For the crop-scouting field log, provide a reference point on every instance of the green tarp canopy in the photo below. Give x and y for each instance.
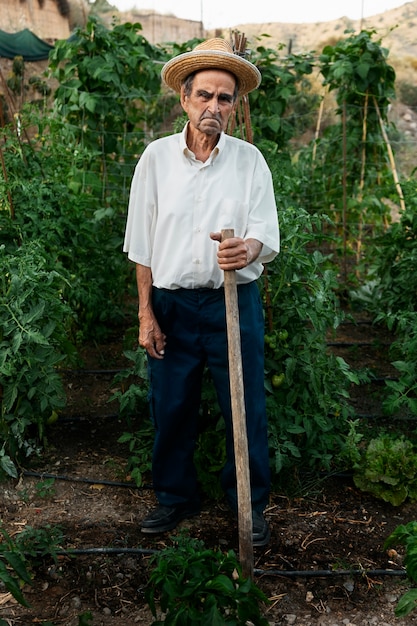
(23, 44)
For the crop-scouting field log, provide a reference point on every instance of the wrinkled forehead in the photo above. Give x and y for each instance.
(212, 78)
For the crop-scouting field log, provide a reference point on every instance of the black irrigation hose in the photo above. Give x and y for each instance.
(356, 323)
(332, 344)
(88, 371)
(83, 418)
(326, 573)
(89, 481)
(85, 551)
(356, 344)
(257, 572)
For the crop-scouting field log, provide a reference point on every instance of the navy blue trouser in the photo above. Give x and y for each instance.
(194, 322)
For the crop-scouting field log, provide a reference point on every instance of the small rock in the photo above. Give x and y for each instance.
(76, 602)
(290, 618)
(391, 597)
(349, 585)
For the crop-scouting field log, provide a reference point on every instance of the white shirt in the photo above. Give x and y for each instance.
(176, 201)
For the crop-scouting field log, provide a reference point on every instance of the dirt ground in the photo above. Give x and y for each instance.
(324, 566)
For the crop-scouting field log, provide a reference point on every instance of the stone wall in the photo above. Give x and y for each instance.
(42, 18)
(157, 28)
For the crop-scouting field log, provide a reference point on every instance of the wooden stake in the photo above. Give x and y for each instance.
(390, 156)
(344, 187)
(362, 180)
(240, 438)
(318, 125)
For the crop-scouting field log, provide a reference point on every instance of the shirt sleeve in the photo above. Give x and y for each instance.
(140, 215)
(263, 215)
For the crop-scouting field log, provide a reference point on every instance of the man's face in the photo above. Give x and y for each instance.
(211, 101)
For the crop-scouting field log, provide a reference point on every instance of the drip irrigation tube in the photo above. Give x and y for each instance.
(357, 344)
(85, 551)
(83, 418)
(326, 573)
(92, 371)
(89, 481)
(148, 551)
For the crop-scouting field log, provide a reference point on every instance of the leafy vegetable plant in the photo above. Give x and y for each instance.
(406, 535)
(195, 586)
(18, 555)
(13, 567)
(32, 341)
(388, 469)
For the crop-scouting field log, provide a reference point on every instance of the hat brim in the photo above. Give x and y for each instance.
(175, 71)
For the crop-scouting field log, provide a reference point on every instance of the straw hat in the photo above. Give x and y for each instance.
(211, 54)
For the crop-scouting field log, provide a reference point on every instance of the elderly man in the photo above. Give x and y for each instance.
(186, 188)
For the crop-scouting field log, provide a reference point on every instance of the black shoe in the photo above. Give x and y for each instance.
(165, 518)
(260, 530)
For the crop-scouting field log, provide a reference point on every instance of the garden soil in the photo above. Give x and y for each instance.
(325, 564)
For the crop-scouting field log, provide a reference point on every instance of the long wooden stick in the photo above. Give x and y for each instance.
(391, 157)
(240, 437)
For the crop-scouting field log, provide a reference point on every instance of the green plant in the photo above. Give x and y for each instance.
(37, 543)
(46, 204)
(32, 338)
(391, 288)
(401, 394)
(140, 451)
(350, 453)
(406, 536)
(307, 387)
(13, 567)
(392, 254)
(387, 469)
(194, 585)
(108, 82)
(283, 90)
(131, 385)
(46, 488)
(19, 554)
(346, 168)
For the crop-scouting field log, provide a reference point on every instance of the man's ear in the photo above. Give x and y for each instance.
(183, 98)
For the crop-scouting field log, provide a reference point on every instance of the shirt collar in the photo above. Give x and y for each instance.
(187, 152)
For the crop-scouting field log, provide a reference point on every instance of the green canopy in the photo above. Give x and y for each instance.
(23, 44)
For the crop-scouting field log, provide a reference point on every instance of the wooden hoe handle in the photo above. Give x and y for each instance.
(240, 438)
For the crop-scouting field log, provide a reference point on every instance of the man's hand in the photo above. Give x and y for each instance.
(150, 335)
(236, 253)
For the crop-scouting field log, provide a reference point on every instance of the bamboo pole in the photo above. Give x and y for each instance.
(344, 186)
(390, 156)
(318, 126)
(362, 178)
(6, 179)
(240, 438)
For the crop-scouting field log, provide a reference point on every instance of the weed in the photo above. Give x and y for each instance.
(46, 488)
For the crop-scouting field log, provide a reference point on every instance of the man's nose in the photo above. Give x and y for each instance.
(214, 104)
